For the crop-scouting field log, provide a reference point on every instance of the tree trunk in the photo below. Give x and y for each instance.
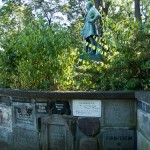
(105, 9)
(137, 10)
(98, 3)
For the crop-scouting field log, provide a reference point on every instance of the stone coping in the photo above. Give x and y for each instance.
(110, 95)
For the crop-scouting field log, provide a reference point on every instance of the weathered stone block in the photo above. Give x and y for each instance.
(56, 134)
(119, 113)
(142, 142)
(5, 100)
(24, 115)
(6, 117)
(89, 144)
(89, 126)
(119, 140)
(143, 123)
(25, 139)
(5, 139)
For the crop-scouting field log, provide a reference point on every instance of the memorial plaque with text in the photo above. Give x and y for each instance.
(89, 108)
(41, 108)
(60, 107)
(5, 117)
(119, 140)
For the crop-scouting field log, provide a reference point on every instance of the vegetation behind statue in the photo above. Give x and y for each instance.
(46, 57)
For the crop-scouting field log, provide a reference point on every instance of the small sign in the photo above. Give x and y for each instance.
(60, 107)
(41, 108)
(88, 108)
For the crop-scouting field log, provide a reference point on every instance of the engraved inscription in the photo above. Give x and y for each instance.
(5, 117)
(119, 140)
(41, 108)
(57, 137)
(60, 107)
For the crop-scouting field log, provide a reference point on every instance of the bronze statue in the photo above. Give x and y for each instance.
(89, 30)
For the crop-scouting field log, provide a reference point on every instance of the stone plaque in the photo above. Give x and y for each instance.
(89, 144)
(41, 108)
(90, 108)
(57, 137)
(6, 117)
(25, 139)
(24, 115)
(119, 140)
(60, 107)
(119, 113)
(89, 126)
(56, 134)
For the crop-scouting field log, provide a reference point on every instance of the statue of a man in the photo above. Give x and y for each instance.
(89, 29)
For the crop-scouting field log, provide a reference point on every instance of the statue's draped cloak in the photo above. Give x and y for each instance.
(90, 28)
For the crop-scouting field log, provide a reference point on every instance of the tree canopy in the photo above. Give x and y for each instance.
(40, 51)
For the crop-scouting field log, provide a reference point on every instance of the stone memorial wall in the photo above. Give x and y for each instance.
(143, 121)
(72, 120)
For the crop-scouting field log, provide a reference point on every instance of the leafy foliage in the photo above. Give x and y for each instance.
(37, 55)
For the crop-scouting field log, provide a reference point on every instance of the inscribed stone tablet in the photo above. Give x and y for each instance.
(56, 134)
(119, 113)
(119, 140)
(89, 108)
(25, 139)
(57, 137)
(6, 117)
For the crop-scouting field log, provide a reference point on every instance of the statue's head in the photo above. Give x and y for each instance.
(89, 5)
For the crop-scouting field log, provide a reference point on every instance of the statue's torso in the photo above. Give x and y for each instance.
(89, 28)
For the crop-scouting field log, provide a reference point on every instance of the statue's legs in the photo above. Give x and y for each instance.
(92, 41)
(86, 46)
